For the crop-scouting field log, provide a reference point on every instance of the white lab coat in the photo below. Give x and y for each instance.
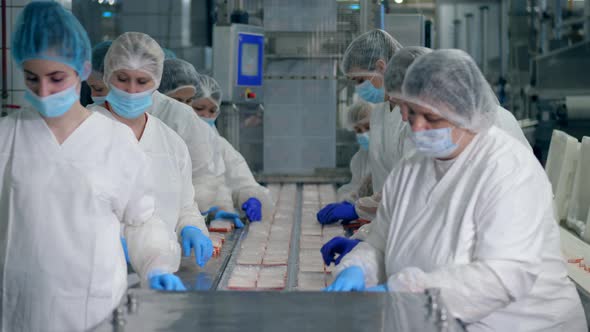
(390, 143)
(240, 183)
(207, 162)
(61, 206)
(480, 228)
(359, 168)
(386, 144)
(171, 169)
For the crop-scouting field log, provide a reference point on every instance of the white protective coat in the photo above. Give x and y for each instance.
(359, 167)
(390, 143)
(61, 206)
(207, 163)
(171, 169)
(480, 228)
(240, 183)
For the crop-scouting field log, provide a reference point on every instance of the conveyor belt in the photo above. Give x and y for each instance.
(208, 277)
(145, 310)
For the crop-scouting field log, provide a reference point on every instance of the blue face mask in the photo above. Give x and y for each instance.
(56, 104)
(363, 140)
(129, 105)
(436, 143)
(99, 100)
(370, 93)
(210, 121)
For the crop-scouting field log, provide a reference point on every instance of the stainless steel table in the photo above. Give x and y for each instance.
(147, 310)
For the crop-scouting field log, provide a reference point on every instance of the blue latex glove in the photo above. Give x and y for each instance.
(193, 238)
(165, 281)
(212, 209)
(228, 215)
(350, 279)
(334, 212)
(124, 244)
(338, 245)
(378, 288)
(253, 209)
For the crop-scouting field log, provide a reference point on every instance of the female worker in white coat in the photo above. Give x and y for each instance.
(240, 190)
(133, 66)
(359, 116)
(365, 61)
(470, 213)
(99, 90)
(70, 177)
(207, 165)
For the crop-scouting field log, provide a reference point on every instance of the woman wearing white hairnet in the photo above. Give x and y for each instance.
(169, 158)
(70, 178)
(98, 88)
(389, 132)
(241, 189)
(364, 62)
(359, 116)
(207, 165)
(470, 213)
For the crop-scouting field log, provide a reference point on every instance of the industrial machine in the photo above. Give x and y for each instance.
(238, 53)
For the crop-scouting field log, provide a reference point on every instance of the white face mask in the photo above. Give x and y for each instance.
(436, 143)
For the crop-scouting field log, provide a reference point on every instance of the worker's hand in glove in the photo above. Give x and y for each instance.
(334, 212)
(165, 281)
(193, 238)
(350, 279)
(253, 209)
(232, 216)
(125, 250)
(337, 246)
(213, 209)
(378, 288)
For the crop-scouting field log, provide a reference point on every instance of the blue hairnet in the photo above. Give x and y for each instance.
(168, 53)
(98, 53)
(45, 30)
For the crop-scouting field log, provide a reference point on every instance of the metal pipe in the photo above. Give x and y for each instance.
(558, 19)
(587, 23)
(366, 9)
(456, 33)
(483, 38)
(468, 33)
(4, 57)
(501, 39)
(543, 44)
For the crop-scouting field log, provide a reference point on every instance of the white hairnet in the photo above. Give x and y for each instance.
(364, 51)
(207, 87)
(134, 51)
(399, 64)
(449, 83)
(177, 73)
(359, 113)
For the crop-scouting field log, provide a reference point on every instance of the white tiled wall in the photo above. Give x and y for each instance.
(15, 81)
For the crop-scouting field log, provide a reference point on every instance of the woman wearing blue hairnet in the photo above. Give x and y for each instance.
(469, 213)
(132, 71)
(64, 193)
(182, 82)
